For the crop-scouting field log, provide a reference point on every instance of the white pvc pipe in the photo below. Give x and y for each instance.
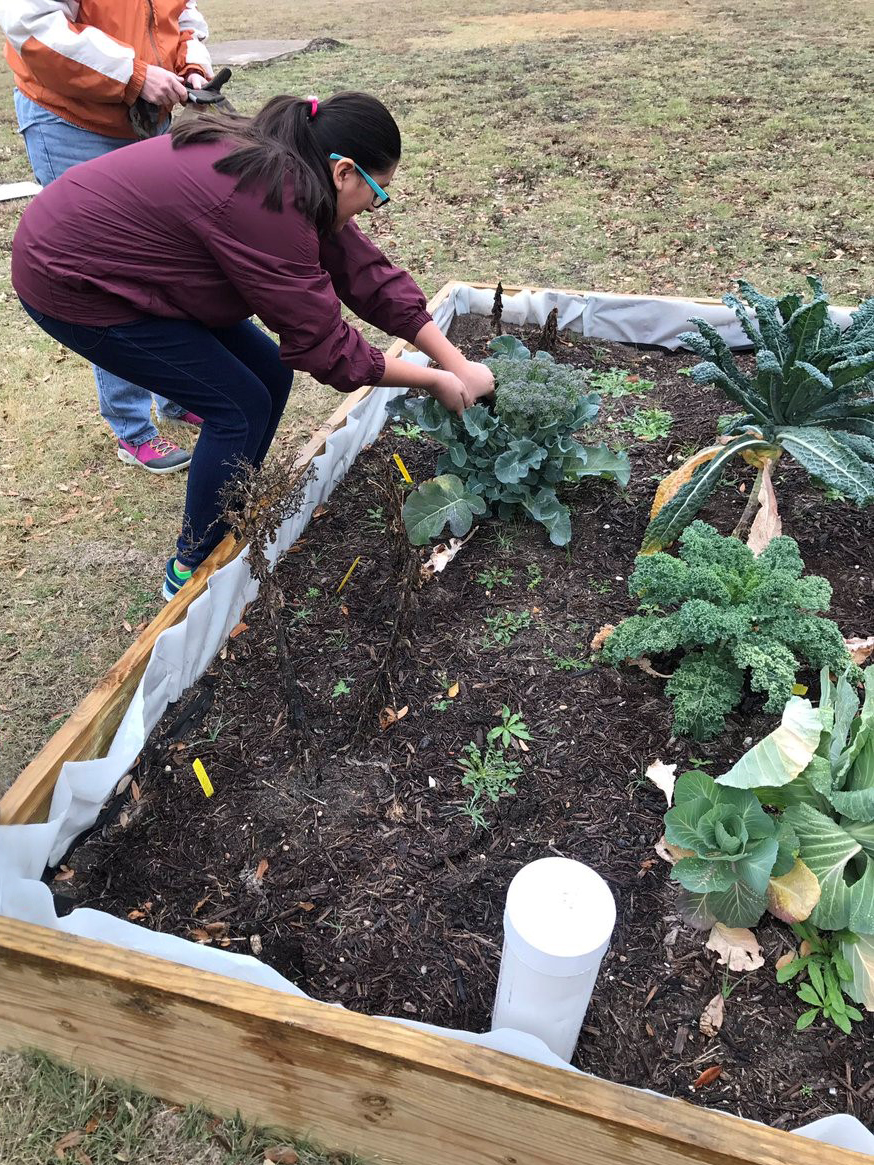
(558, 921)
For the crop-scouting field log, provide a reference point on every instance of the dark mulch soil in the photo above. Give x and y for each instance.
(351, 868)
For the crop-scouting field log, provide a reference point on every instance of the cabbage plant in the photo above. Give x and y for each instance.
(817, 768)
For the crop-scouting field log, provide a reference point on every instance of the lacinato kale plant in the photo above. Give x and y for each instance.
(811, 396)
(733, 615)
(511, 458)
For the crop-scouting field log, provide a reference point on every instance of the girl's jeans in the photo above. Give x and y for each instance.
(53, 146)
(232, 377)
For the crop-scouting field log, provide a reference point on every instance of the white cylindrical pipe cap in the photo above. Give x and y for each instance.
(559, 916)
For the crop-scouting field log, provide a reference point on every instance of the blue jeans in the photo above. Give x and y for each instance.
(232, 377)
(53, 146)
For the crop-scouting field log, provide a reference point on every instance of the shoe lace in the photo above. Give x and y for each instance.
(162, 446)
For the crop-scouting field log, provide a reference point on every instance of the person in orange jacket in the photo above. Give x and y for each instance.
(87, 77)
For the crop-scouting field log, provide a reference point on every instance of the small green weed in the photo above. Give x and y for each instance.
(501, 628)
(314, 592)
(374, 519)
(342, 688)
(535, 576)
(489, 776)
(826, 969)
(511, 728)
(649, 424)
(494, 576)
(411, 432)
(335, 640)
(599, 586)
(618, 382)
(565, 662)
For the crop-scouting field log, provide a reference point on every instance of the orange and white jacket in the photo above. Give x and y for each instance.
(87, 61)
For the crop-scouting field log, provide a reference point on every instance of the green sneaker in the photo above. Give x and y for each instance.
(174, 579)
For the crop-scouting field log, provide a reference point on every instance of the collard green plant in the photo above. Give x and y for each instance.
(512, 458)
(733, 615)
(818, 768)
(811, 396)
(731, 849)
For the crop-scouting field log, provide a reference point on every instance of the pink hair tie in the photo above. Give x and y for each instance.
(314, 106)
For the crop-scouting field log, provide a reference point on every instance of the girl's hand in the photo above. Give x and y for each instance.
(477, 379)
(450, 390)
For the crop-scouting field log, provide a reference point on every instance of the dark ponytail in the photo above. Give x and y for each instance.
(292, 137)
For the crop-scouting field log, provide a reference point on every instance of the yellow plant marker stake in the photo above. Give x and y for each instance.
(799, 689)
(347, 574)
(200, 773)
(405, 473)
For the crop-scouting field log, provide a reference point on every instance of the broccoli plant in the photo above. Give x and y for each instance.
(510, 459)
(729, 849)
(818, 769)
(811, 396)
(734, 615)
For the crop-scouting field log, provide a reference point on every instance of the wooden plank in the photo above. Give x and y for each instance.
(351, 1082)
(89, 730)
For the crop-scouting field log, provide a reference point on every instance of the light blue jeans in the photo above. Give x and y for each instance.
(53, 146)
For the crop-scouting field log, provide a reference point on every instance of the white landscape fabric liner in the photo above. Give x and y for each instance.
(184, 652)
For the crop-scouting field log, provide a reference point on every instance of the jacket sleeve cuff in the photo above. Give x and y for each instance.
(135, 84)
(412, 328)
(377, 366)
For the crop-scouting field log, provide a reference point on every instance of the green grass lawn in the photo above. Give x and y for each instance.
(664, 150)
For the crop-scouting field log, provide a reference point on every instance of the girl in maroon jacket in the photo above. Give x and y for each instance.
(151, 260)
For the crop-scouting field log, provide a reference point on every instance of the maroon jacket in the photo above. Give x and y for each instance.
(149, 230)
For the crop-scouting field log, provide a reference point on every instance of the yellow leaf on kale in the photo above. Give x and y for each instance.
(669, 486)
(799, 689)
(793, 896)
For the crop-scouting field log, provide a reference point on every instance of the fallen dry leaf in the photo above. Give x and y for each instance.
(736, 947)
(712, 1016)
(859, 648)
(389, 716)
(307, 906)
(452, 690)
(645, 665)
(785, 960)
(239, 629)
(805, 949)
(281, 1155)
(135, 915)
(82, 1157)
(93, 1125)
(135, 791)
(670, 853)
(708, 1076)
(601, 637)
(766, 524)
(663, 777)
(443, 554)
(200, 936)
(64, 874)
(68, 1141)
(263, 866)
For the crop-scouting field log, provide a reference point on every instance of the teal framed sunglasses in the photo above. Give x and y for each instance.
(380, 197)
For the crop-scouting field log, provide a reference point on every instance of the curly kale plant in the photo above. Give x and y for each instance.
(731, 849)
(734, 615)
(513, 458)
(811, 395)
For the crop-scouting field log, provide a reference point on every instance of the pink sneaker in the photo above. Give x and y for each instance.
(187, 419)
(157, 456)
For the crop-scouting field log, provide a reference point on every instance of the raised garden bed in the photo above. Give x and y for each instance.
(351, 865)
